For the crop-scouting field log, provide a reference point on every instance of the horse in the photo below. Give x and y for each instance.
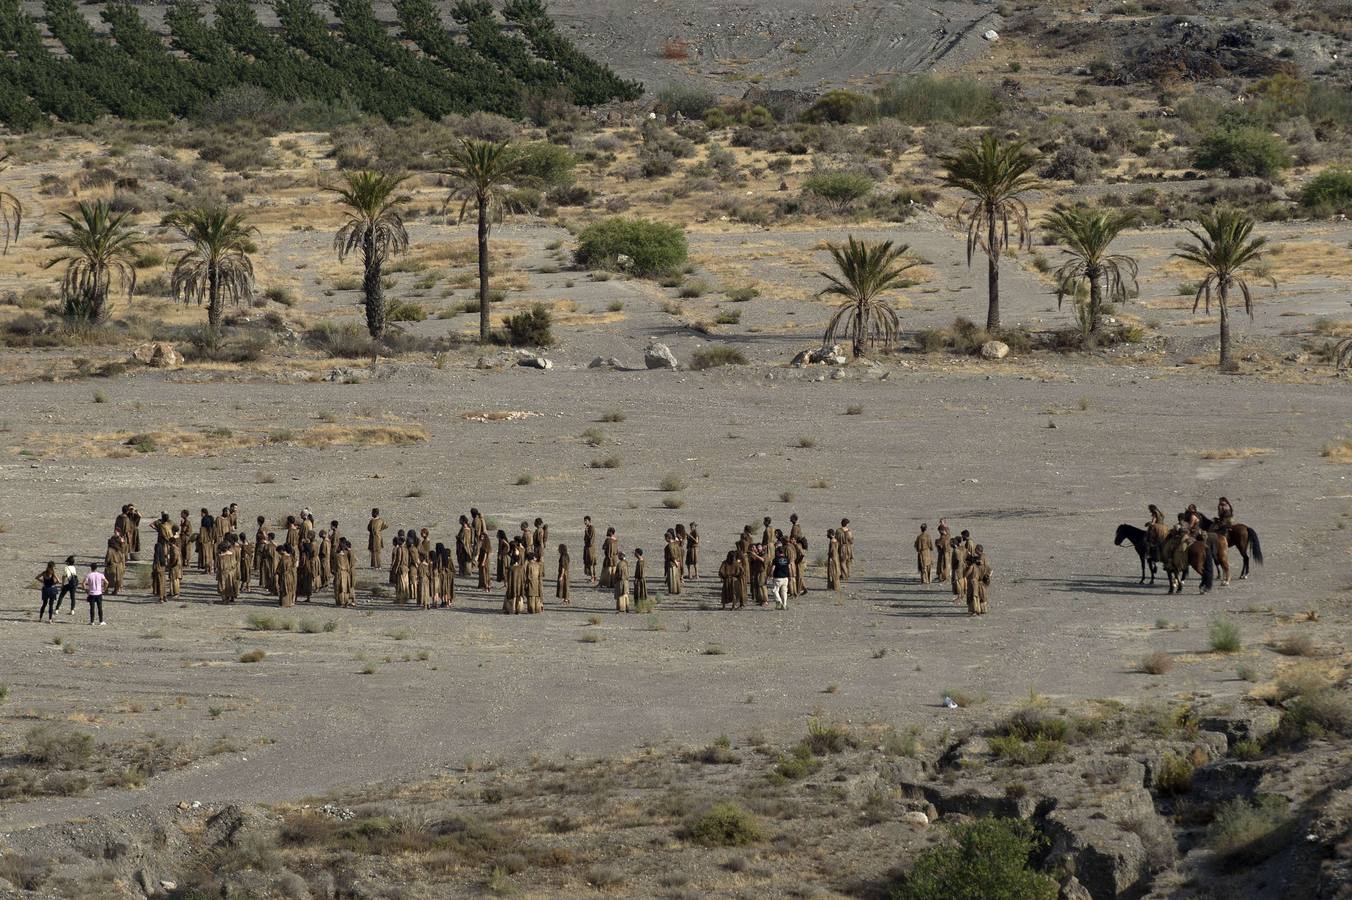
(1242, 538)
(1145, 548)
(1177, 559)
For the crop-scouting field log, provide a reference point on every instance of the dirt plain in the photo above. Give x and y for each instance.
(385, 709)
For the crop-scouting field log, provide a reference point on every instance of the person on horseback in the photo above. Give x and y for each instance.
(1225, 516)
(1156, 517)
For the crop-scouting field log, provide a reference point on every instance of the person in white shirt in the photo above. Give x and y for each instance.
(70, 581)
(94, 583)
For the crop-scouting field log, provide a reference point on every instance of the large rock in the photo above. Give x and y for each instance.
(529, 360)
(237, 826)
(1107, 859)
(158, 355)
(833, 355)
(1250, 722)
(994, 350)
(659, 356)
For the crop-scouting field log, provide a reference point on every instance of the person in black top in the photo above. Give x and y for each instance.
(51, 591)
(779, 576)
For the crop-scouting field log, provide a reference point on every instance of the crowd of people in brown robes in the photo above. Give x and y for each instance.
(298, 560)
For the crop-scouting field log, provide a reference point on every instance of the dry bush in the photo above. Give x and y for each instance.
(1157, 664)
(1341, 452)
(1296, 645)
(1234, 453)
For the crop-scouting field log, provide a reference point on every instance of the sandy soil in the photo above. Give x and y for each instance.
(1068, 619)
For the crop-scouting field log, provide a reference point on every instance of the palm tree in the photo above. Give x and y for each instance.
(866, 272)
(11, 213)
(98, 246)
(1224, 248)
(375, 226)
(216, 264)
(1085, 236)
(479, 171)
(995, 174)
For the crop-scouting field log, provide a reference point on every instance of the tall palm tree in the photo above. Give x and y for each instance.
(98, 247)
(216, 264)
(866, 272)
(375, 226)
(995, 174)
(479, 172)
(1085, 236)
(1227, 252)
(11, 213)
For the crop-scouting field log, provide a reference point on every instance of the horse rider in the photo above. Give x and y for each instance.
(1225, 515)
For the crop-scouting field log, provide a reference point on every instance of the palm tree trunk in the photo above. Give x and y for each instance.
(214, 296)
(859, 330)
(483, 269)
(992, 277)
(373, 290)
(1225, 328)
(1095, 299)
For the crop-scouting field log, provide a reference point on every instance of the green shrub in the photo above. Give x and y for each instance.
(842, 107)
(1244, 832)
(925, 99)
(691, 102)
(987, 859)
(1174, 775)
(1328, 192)
(58, 747)
(724, 824)
(1314, 713)
(824, 738)
(545, 165)
(653, 248)
(1242, 151)
(530, 328)
(1223, 636)
(713, 357)
(839, 188)
(403, 311)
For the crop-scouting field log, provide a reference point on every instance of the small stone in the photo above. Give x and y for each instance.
(994, 350)
(915, 818)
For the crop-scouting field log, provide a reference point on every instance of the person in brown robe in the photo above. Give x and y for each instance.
(640, 594)
(163, 528)
(122, 526)
(671, 565)
(185, 536)
(680, 550)
(846, 538)
(246, 560)
(345, 574)
(227, 571)
(588, 549)
(800, 568)
(134, 532)
(267, 564)
(260, 538)
(286, 576)
(561, 579)
(175, 564)
(397, 542)
(293, 536)
(943, 548)
(978, 578)
(483, 562)
(692, 552)
(324, 560)
(375, 540)
(540, 540)
(115, 563)
(463, 550)
(307, 571)
(795, 530)
(924, 553)
(477, 526)
(739, 576)
(795, 555)
(767, 540)
(448, 577)
(744, 544)
(962, 548)
(504, 556)
(232, 517)
(399, 574)
(535, 585)
(610, 554)
(421, 578)
(334, 539)
(619, 580)
(159, 571)
(832, 560)
(759, 590)
(206, 544)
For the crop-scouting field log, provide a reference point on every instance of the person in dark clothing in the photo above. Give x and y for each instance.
(50, 583)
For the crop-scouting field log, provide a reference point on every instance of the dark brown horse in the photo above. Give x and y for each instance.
(1177, 559)
(1242, 538)
(1146, 549)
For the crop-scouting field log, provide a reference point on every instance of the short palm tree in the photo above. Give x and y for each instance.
(1227, 252)
(866, 272)
(374, 226)
(479, 172)
(994, 174)
(11, 213)
(1085, 236)
(216, 264)
(97, 248)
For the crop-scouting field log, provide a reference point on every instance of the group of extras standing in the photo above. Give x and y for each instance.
(304, 560)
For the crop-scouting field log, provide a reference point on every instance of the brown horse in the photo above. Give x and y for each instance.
(1242, 538)
(1177, 558)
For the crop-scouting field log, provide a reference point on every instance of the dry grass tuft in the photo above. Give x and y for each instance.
(1341, 452)
(1234, 453)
